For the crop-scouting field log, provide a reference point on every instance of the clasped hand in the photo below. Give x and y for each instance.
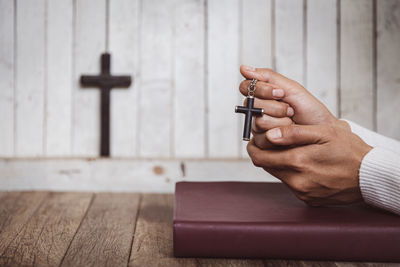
(301, 143)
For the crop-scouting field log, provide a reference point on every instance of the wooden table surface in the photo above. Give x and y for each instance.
(104, 229)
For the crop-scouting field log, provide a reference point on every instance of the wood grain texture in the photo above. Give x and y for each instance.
(153, 243)
(7, 78)
(365, 264)
(124, 48)
(30, 77)
(184, 58)
(356, 62)
(36, 228)
(223, 78)
(322, 57)
(59, 78)
(105, 235)
(289, 39)
(127, 175)
(15, 211)
(189, 79)
(155, 92)
(88, 45)
(44, 240)
(388, 65)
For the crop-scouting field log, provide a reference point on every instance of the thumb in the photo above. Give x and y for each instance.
(252, 73)
(266, 75)
(297, 135)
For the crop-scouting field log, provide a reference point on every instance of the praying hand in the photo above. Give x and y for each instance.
(324, 160)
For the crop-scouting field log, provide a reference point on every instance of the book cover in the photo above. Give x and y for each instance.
(265, 220)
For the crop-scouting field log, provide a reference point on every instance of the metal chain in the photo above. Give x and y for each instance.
(252, 88)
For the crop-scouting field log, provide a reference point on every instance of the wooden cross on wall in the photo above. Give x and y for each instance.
(105, 82)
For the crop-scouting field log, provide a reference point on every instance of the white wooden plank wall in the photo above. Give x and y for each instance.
(223, 77)
(89, 43)
(155, 91)
(388, 71)
(321, 52)
(124, 18)
(7, 111)
(145, 175)
(59, 82)
(289, 38)
(30, 77)
(189, 118)
(184, 57)
(357, 62)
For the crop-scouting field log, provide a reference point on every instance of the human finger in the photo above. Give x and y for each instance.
(275, 159)
(297, 135)
(263, 90)
(267, 75)
(265, 122)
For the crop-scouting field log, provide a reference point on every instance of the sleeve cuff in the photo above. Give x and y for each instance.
(380, 179)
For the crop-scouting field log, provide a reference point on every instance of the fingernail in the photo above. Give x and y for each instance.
(248, 68)
(274, 133)
(290, 111)
(278, 93)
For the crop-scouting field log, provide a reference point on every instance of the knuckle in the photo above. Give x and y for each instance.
(256, 159)
(282, 110)
(243, 86)
(249, 149)
(260, 122)
(296, 160)
(332, 131)
(267, 71)
(299, 186)
(293, 130)
(287, 121)
(265, 90)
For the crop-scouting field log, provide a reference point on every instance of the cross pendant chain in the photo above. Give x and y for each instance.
(249, 110)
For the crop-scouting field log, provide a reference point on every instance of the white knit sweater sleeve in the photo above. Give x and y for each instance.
(380, 170)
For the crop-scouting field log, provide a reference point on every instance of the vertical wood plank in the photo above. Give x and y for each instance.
(89, 44)
(59, 78)
(124, 47)
(189, 70)
(156, 53)
(105, 235)
(30, 93)
(388, 60)
(289, 39)
(256, 23)
(6, 78)
(356, 62)
(322, 52)
(16, 209)
(223, 78)
(44, 240)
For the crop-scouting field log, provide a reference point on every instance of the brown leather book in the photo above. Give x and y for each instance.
(265, 220)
